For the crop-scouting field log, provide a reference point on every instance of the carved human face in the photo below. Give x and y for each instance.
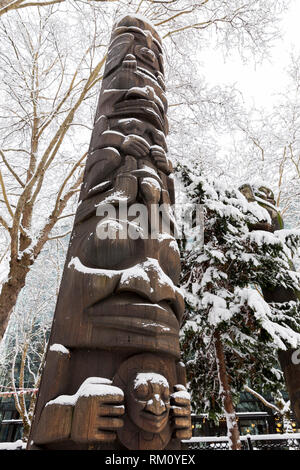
(134, 67)
(143, 48)
(148, 402)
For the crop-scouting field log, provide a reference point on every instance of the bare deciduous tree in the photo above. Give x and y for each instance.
(23, 348)
(267, 147)
(43, 94)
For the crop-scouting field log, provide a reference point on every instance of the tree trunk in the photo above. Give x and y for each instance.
(232, 427)
(11, 289)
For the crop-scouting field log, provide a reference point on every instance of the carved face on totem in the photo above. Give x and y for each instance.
(147, 401)
(265, 198)
(134, 75)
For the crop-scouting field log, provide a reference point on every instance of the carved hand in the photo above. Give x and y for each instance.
(181, 412)
(160, 157)
(97, 414)
(135, 145)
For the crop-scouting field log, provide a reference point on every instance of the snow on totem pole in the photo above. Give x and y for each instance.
(289, 359)
(113, 377)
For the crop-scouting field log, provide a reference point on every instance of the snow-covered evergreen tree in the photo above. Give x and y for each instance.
(231, 333)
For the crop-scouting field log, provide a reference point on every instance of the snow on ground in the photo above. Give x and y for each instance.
(17, 445)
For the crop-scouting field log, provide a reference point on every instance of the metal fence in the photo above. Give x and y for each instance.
(249, 442)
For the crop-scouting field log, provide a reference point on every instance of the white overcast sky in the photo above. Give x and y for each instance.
(258, 82)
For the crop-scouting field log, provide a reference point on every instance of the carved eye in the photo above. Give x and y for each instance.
(142, 392)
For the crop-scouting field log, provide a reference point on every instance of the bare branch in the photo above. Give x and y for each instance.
(77, 164)
(5, 196)
(10, 169)
(4, 223)
(54, 216)
(18, 4)
(60, 236)
(262, 399)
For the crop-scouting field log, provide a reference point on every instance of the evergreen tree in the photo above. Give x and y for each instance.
(231, 333)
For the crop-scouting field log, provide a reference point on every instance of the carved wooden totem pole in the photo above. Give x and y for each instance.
(112, 378)
(290, 367)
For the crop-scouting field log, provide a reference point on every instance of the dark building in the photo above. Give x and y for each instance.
(11, 427)
(253, 418)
